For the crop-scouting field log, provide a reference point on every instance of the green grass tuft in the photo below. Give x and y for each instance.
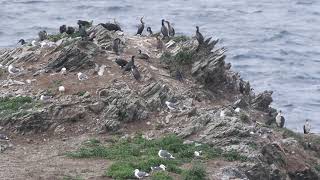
(317, 167)
(197, 172)
(14, 103)
(233, 155)
(73, 178)
(162, 175)
(121, 170)
(139, 153)
(244, 117)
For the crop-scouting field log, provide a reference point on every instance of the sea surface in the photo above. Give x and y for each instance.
(273, 43)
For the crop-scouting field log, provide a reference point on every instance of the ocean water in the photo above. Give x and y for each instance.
(273, 43)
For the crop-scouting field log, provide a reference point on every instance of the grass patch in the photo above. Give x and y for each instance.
(197, 172)
(162, 175)
(14, 104)
(253, 145)
(288, 133)
(57, 37)
(181, 38)
(233, 155)
(81, 93)
(139, 153)
(184, 57)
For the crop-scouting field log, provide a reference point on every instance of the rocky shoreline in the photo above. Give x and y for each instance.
(213, 104)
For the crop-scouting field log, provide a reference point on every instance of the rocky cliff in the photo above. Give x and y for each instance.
(213, 105)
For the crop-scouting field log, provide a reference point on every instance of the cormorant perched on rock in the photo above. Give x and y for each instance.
(135, 73)
(22, 41)
(83, 32)
(306, 127)
(129, 65)
(141, 27)
(171, 29)
(280, 119)
(116, 46)
(149, 30)
(164, 29)
(63, 29)
(84, 23)
(143, 55)
(199, 36)
(121, 62)
(70, 30)
(42, 35)
(111, 26)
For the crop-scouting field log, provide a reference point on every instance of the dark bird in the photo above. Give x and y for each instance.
(111, 26)
(306, 127)
(143, 55)
(121, 62)
(116, 46)
(160, 44)
(164, 29)
(149, 31)
(141, 27)
(84, 23)
(63, 29)
(22, 41)
(171, 29)
(42, 35)
(129, 65)
(199, 36)
(280, 119)
(83, 33)
(70, 30)
(135, 73)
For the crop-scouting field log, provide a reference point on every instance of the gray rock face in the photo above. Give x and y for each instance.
(262, 101)
(78, 54)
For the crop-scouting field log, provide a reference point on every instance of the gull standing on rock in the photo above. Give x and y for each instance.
(171, 105)
(306, 127)
(165, 154)
(140, 174)
(63, 71)
(164, 29)
(101, 70)
(280, 119)
(171, 29)
(61, 89)
(141, 27)
(82, 76)
(13, 70)
(159, 168)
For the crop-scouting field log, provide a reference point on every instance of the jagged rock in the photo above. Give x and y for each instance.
(156, 94)
(96, 107)
(258, 171)
(274, 155)
(111, 125)
(78, 54)
(233, 173)
(241, 103)
(262, 101)
(104, 38)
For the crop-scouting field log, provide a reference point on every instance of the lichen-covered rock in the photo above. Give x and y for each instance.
(79, 54)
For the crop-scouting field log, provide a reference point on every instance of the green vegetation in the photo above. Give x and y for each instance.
(233, 155)
(181, 38)
(162, 175)
(57, 37)
(184, 57)
(14, 104)
(197, 172)
(288, 133)
(80, 93)
(139, 153)
(253, 145)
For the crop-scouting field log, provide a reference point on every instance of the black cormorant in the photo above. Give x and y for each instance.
(141, 27)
